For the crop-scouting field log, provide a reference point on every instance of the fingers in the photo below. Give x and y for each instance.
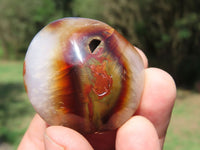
(33, 138)
(39, 137)
(158, 99)
(144, 58)
(61, 138)
(137, 133)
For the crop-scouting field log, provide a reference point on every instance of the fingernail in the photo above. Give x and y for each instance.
(50, 144)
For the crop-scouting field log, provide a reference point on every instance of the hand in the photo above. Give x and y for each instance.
(145, 130)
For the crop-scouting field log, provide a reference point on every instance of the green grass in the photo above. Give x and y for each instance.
(11, 72)
(183, 132)
(15, 109)
(1, 51)
(16, 112)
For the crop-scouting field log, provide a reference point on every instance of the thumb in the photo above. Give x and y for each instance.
(61, 138)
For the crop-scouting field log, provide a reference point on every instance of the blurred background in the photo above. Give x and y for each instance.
(167, 31)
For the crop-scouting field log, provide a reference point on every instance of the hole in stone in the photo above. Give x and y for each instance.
(94, 44)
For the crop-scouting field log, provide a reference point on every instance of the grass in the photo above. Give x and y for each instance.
(16, 112)
(15, 109)
(183, 132)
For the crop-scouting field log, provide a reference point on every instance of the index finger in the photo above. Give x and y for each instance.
(158, 99)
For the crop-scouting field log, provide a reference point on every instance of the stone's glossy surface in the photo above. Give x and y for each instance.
(83, 74)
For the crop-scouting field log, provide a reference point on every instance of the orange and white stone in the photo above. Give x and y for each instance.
(81, 73)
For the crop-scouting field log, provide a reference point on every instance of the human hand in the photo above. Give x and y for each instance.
(145, 130)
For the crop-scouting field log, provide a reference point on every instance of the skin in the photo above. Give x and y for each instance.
(145, 130)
